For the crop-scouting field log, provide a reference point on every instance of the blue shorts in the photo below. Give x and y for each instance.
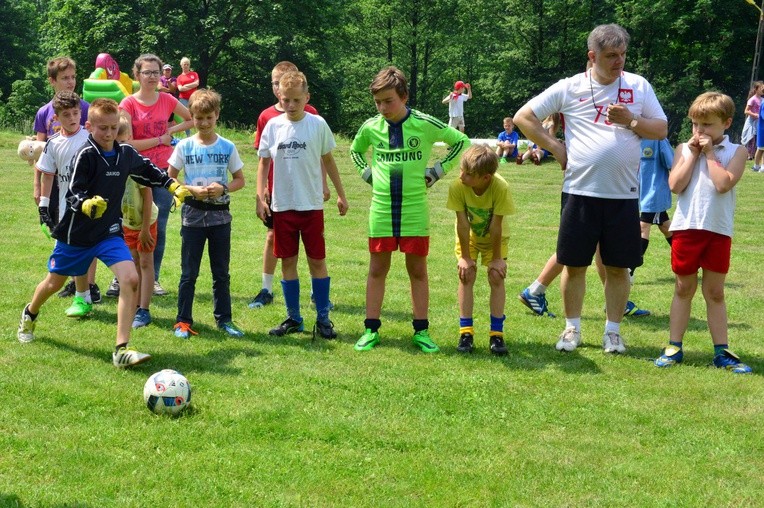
(70, 260)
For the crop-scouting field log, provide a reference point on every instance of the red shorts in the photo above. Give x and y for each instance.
(132, 241)
(695, 248)
(417, 245)
(290, 225)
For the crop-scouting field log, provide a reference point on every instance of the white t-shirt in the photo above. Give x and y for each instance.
(57, 157)
(456, 104)
(603, 158)
(700, 205)
(296, 149)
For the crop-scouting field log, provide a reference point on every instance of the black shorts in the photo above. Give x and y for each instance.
(654, 217)
(586, 221)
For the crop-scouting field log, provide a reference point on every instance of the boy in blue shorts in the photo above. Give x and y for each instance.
(481, 198)
(55, 165)
(401, 140)
(298, 143)
(706, 170)
(91, 225)
(206, 158)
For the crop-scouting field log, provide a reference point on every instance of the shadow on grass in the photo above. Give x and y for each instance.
(701, 358)
(670, 281)
(658, 322)
(217, 361)
(11, 501)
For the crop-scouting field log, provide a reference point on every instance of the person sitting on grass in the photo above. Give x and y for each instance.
(705, 172)
(206, 158)
(91, 225)
(481, 198)
(506, 143)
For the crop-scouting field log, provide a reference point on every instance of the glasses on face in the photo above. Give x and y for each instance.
(149, 74)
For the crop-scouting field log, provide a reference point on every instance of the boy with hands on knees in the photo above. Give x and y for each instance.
(481, 198)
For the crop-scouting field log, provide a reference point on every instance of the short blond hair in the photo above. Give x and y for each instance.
(479, 160)
(204, 100)
(284, 66)
(508, 119)
(125, 126)
(99, 108)
(293, 79)
(712, 104)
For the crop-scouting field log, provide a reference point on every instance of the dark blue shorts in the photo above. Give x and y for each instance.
(70, 260)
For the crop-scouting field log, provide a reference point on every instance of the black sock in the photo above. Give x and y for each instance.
(372, 324)
(120, 346)
(33, 316)
(420, 324)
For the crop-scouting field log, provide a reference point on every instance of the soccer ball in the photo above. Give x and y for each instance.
(167, 392)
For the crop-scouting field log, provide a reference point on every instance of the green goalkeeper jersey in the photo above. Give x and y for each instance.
(400, 154)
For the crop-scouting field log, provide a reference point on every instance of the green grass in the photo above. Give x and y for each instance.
(288, 422)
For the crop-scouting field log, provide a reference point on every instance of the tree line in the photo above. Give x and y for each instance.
(508, 51)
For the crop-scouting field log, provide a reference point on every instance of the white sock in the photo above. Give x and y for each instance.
(268, 282)
(537, 288)
(85, 295)
(573, 322)
(612, 327)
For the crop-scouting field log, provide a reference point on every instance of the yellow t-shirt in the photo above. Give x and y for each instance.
(132, 206)
(496, 200)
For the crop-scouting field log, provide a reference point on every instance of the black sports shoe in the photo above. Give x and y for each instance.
(497, 345)
(465, 343)
(288, 326)
(95, 293)
(325, 330)
(69, 290)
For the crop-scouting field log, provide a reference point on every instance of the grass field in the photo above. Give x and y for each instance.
(290, 422)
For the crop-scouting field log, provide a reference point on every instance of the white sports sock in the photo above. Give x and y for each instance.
(574, 322)
(268, 282)
(537, 288)
(612, 327)
(85, 295)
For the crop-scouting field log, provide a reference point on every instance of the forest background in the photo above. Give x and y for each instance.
(509, 51)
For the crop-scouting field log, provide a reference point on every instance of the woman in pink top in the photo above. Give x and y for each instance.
(752, 107)
(149, 110)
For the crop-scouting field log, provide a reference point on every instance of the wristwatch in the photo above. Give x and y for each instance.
(633, 123)
(225, 189)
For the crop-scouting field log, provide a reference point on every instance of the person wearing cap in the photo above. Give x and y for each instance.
(455, 101)
(168, 82)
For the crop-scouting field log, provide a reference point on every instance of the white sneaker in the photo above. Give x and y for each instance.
(127, 357)
(570, 338)
(158, 289)
(613, 343)
(26, 327)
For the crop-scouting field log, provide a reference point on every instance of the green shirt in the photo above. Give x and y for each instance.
(400, 155)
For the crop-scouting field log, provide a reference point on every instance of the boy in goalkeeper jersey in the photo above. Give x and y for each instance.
(91, 225)
(401, 140)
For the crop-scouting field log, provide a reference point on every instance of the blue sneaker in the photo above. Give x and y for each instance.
(632, 310)
(231, 329)
(263, 298)
(183, 330)
(536, 303)
(671, 356)
(142, 318)
(730, 361)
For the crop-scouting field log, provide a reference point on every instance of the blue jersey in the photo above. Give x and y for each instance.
(654, 167)
(513, 137)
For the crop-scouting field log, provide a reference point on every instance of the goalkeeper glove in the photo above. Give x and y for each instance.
(94, 207)
(45, 217)
(367, 175)
(179, 191)
(433, 174)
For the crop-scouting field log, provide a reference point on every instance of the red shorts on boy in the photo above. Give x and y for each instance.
(132, 238)
(417, 245)
(290, 225)
(693, 249)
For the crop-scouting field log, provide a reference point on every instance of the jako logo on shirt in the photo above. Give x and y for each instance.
(626, 95)
(292, 146)
(112, 173)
